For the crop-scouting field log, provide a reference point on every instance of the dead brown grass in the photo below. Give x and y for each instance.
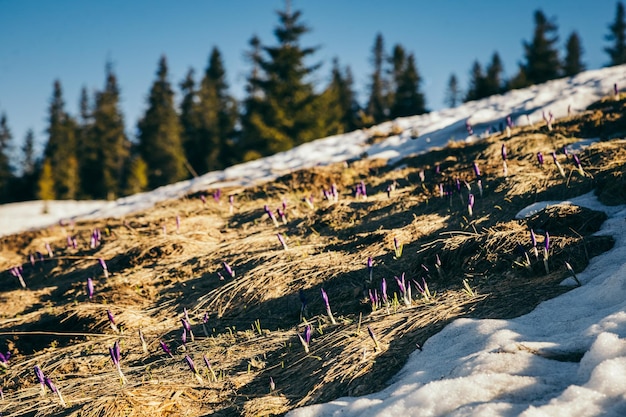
(157, 271)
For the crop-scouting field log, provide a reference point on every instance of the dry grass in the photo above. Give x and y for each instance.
(157, 271)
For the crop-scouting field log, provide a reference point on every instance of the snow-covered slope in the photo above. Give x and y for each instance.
(435, 130)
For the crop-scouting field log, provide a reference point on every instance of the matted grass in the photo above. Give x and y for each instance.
(158, 270)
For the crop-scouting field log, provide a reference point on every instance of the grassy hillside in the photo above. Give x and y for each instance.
(456, 264)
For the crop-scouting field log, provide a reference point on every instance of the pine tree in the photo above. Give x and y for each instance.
(343, 84)
(60, 150)
(477, 88)
(251, 145)
(189, 120)
(377, 107)
(110, 146)
(281, 109)
(216, 114)
(6, 171)
(494, 84)
(572, 64)
(453, 93)
(27, 188)
(617, 35)
(159, 133)
(408, 99)
(542, 57)
(86, 147)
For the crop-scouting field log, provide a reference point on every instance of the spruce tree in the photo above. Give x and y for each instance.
(617, 35)
(60, 149)
(453, 92)
(477, 88)
(377, 108)
(6, 171)
(251, 145)
(111, 145)
(542, 57)
(216, 113)
(408, 99)
(86, 147)
(45, 184)
(494, 83)
(189, 120)
(572, 64)
(159, 133)
(27, 189)
(343, 84)
(282, 111)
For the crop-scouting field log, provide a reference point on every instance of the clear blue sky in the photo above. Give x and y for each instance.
(71, 40)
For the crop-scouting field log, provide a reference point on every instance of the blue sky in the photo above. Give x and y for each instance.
(71, 40)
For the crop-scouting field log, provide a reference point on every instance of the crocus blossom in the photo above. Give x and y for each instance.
(193, 369)
(208, 365)
(165, 348)
(90, 289)
(115, 354)
(104, 267)
(373, 337)
(305, 338)
(327, 305)
(55, 390)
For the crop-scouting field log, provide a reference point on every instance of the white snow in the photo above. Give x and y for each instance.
(507, 367)
(472, 367)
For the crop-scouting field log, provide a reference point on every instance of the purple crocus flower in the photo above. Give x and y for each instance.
(55, 390)
(540, 158)
(383, 290)
(208, 365)
(305, 338)
(49, 250)
(546, 242)
(370, 267)
(282, 241)
(327, 304)
(615, 89)
(90, 288)
(231, 203)
(437, 169)
(104, 267)
(476, 170)
(503, 151)
(397, 248)
(193, 369)
(271, 215)
(4, 359)
(165, 348)
(371, 333)
(509, 121)
(228, 269)
(31, 257)
(272, 384)
(217, 195)
(334, 192)
(116, 356)
(41, 378)
(187, 328)
(422, 175)
(470, 204)
(177, 224)
(17, 273)
(203, 198)
(112, 321)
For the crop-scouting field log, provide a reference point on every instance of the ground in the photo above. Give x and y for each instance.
(170, 259)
